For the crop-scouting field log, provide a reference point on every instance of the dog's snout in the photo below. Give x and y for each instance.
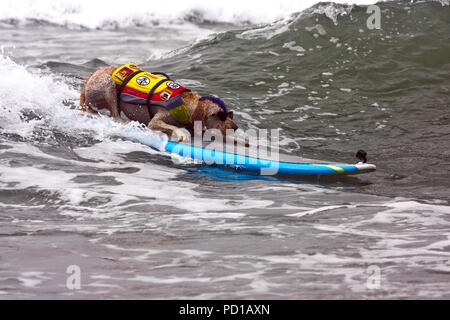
(234, 126)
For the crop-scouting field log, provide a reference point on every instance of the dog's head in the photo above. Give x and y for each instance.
(214, 114)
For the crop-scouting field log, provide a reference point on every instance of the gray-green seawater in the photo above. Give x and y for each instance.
(74, 191)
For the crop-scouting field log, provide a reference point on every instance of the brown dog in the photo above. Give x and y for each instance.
(128, 93)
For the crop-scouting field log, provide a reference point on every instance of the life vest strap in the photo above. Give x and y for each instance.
(130, 90)
(162, 74)
(124, 84)
(152, 91)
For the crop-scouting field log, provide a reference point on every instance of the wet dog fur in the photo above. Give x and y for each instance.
(99, 95)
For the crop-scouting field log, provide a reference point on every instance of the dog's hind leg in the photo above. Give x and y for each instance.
(83, 91)
(100, 93)
(83, 104)
(111, 99)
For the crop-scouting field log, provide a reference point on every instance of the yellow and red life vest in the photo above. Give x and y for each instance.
(144, 88)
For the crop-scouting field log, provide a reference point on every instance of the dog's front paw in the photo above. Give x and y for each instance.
(182, 135)
(241, 141)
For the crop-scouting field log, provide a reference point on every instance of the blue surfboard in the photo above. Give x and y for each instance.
(242, 159)
(278, 164)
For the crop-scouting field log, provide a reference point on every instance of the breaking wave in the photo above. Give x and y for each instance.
(34, 104)
(107, 14)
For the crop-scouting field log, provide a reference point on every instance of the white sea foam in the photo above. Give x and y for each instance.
(25, 91)
(321, 209)
(128, 191)
(283, 23)
(32, 91)
(22, 90)
(110, 14)
(32, 279)
(410, 212)
(291, 45)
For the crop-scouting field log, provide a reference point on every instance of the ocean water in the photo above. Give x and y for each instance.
(77, 191)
